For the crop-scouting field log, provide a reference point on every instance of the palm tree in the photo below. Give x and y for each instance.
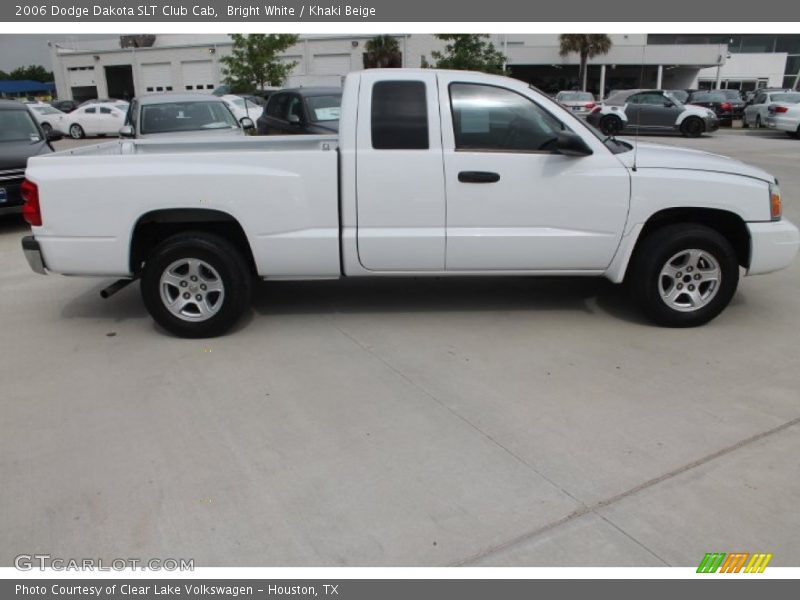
(587, 45)
(382, 51)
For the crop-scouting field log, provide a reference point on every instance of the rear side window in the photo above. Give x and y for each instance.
(399, 116)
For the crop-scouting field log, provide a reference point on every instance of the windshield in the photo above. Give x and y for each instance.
(675, 100)
(680, 95)
(173, 117)
(732, 94)
(18, 126)
(324, 108)
(709, 97)
(789, 98)
(575, 97)
(46, 110)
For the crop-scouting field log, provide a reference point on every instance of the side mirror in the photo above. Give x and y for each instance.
(54, 135)
(127, 131)
(247, 123)
(293, 120)
(571, 144)
(668, 104)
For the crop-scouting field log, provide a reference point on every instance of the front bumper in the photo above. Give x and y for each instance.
(33, 254)
(10, 197)
(773, 246)
(712, 124)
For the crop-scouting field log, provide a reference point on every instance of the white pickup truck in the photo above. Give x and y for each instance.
(436, 173)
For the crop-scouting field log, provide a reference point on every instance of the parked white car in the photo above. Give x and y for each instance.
(179, 115)
(784, 117)
(50, 119)
(756, 113)
(580, 103)
(243, 108)
(434, 173)
(95, 119)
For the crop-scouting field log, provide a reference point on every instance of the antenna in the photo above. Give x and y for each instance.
(639, 113)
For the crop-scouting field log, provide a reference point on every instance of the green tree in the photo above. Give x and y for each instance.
(255, 61)
(586, 45)
(469, 52)
(32, 72)
(382, 51)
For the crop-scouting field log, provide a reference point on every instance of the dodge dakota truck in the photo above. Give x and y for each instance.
(433, 173)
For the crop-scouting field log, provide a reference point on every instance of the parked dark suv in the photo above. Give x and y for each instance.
(312, 110)
(20, 138)
(726, 104)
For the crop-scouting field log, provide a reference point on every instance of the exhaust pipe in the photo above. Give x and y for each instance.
(114, 288)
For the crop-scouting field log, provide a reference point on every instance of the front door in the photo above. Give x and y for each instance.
(400, 183)
(513, 202)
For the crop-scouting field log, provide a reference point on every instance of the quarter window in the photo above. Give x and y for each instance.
(489, 118)
(399, 116)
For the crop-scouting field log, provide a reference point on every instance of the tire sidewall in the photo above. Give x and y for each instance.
(76, 132)
(686, 127)
(218, 253)
(610, 125)
(660, 247)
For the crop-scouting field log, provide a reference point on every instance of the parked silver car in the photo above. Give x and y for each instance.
(177, 114)
(756, 112)
(580, 103)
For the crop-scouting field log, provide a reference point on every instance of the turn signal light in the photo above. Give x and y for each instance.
(30, 209)
(775, 208)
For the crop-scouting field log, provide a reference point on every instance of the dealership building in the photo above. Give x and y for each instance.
(158, 63)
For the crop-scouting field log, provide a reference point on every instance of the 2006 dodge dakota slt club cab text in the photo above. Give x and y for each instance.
(432, 173)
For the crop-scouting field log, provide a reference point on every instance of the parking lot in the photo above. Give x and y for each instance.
(481, 422)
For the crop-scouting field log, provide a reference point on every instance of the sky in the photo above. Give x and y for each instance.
(30, 49)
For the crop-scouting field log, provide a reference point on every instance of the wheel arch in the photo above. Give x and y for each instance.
(155, 226)
(728, 224)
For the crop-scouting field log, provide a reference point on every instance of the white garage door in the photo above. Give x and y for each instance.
(157, 77)
(330, 64)
(198, 75)
(297, 59)
(81, 76)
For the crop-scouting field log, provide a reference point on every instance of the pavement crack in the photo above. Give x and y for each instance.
(630, 492)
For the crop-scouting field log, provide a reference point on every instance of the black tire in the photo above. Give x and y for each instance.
(47, 128)
(223, 258)
(758, 122)
(76, 131)
(745, 125)
(794, 134)
(692, 127)
(610, 125)
(652, 255)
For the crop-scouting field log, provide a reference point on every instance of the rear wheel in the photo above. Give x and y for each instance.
(758, 121)
(692, 127)
(610, 125)
(684, 275)
(47, 128)
(794, 134)
(196, 285)
(76, 131)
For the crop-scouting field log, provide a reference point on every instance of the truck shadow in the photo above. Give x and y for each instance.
(446, 294)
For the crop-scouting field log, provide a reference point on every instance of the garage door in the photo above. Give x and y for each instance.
(157, 77)
(297, 59)
(81, 76)
(330, 64)
(198, 75)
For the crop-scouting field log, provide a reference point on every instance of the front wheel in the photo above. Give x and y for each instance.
(196, 285)
(610, 125)
(47, 128)
(76, 131)
(684, 275)
(692, 127)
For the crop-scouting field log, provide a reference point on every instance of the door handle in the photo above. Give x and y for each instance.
(478, 177)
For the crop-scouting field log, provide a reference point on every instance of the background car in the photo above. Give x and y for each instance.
(756, 113)
(784, 117)
(65, 106)
(20, 138)
(49, 118)
(243, 107)
(103, 101)
(580, 103)
(681, 95)
(177, 114)
(95, 119)
(726, 104)
(312, 110)
(651, 111)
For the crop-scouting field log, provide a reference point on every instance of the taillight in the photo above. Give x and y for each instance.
(778, 109)
(597, 109)
(30, 210)
(591, 105)
(726, 106)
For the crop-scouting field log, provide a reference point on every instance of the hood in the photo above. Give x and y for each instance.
(657, 156)
(15, 155)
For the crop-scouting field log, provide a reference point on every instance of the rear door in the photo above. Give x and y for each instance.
(400, 192)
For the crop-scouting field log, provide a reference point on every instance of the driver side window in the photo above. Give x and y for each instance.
(493, 119)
